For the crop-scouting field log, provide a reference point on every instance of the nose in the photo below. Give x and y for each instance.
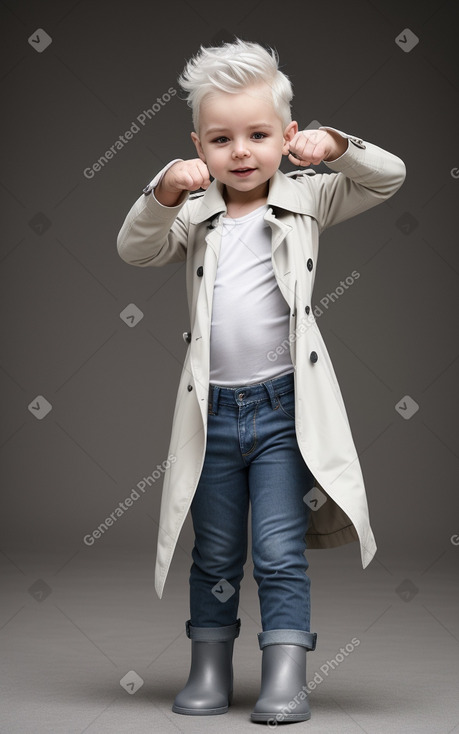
(240, 150)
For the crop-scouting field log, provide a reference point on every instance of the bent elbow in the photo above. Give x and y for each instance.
(399, 173)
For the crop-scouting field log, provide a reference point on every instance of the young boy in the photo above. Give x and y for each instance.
(259, 417)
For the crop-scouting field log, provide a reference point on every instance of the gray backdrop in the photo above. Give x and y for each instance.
(75, 77)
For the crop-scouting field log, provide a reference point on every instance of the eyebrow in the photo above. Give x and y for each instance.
(257, 126)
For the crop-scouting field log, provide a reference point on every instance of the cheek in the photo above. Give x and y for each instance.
(214, 159)
(274, 157)
(274, 151)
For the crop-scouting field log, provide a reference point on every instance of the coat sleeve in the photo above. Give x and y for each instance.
(153, 234)
(363, 176)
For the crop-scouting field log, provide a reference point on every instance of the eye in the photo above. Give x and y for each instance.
(259, 136)
(221, 139)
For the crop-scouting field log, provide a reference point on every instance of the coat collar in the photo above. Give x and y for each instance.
(284, 193)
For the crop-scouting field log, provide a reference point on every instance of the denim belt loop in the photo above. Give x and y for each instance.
(214, 393)
(272, 396)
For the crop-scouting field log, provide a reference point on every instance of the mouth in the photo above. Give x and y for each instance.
(241, 172)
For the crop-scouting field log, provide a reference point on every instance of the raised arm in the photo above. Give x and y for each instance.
(154, 231)
(364, 174)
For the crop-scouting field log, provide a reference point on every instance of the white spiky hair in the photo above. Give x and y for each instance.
(230, 68)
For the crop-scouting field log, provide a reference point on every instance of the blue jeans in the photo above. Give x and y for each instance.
(252, 455)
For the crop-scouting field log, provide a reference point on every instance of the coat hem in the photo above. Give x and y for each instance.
(332, 540)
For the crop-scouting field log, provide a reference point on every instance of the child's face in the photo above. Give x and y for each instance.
(242, 140)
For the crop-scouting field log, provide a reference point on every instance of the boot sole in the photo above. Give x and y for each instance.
(285, 719)
(203, 712)
(199, 712)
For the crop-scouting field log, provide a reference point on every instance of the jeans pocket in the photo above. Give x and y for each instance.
(287, 404)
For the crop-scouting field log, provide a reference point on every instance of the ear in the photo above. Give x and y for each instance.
(289, 133)
(198, 146)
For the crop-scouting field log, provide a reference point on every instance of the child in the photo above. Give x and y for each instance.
(259, 416)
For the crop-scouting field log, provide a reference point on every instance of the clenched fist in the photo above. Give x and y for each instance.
(314, 146)
(183, 176)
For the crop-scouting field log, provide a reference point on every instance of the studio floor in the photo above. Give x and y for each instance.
(87, 646)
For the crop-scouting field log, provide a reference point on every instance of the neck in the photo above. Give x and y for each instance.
(239, 203)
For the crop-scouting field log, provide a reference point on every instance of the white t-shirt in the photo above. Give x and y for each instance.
(250, 317)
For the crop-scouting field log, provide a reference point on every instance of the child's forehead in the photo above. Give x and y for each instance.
(250, 103)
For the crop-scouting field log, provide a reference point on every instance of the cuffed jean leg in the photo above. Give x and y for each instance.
(279, 479)
(287, 637)
(219, 512)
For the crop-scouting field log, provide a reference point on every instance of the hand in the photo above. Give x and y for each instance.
(186, 176)
(314, 146)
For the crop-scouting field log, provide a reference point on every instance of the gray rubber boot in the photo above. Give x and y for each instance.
(209, 690)
(284, 695)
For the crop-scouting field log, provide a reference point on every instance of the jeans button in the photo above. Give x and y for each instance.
(241, 395)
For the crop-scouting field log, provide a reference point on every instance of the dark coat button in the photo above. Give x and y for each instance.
(313, 357)
(307, 309)
(309, 264)
(190, 387)
(200, 271)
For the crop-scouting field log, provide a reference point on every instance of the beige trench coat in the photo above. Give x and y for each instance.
(301, 205)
